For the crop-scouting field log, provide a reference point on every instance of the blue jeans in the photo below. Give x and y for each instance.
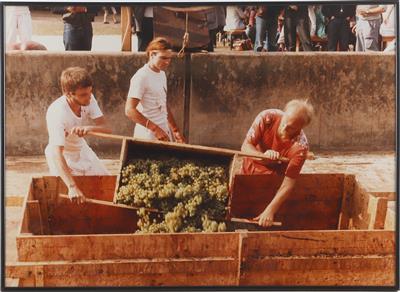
(78, 38)
(266, 32)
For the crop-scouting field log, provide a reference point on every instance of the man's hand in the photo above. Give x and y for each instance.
(178, 137)
(266, 218)
(272, 155)
(76, 195)
(160, 134)
(80, 131)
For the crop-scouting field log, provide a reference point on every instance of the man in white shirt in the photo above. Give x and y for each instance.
(67, 153)
(18, 24)
(146, 104)
(369, 19)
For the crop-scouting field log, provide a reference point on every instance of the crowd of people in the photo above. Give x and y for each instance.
(268, 28)
(343, 27)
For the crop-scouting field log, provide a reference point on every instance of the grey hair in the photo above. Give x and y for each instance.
(303, 107)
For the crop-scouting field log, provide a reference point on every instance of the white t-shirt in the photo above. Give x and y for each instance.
(151, 89)
(234, 18)
(61, 119)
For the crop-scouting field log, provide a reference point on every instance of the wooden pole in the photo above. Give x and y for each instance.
(126, 28)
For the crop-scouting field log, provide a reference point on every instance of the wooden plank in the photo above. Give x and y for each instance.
(35, 222)
(122, 159)
(14, 201)
(129, 246)
(348, 190)
(126, 28)
(314, 204)
(39, 276)
(329, 271)
(369, 211)
(154, 272)
(40, 194)
(390, 219)
(173, 26)
(24, 225)
(314, 243)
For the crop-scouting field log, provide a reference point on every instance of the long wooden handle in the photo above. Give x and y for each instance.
(187, 146)
(107, 203)
(243, 220)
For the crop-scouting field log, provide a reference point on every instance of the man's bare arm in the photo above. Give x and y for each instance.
(66, 176)
(267, 216)
(135, 116)
(175, 130)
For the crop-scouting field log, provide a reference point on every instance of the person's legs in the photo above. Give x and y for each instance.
(146, 33)
(11, 28)
(105, 9)
(303, 25)
(70, 39)
(260, 34)
(25, 27)
(290, 32)
(87, 36)
(272, 28)
(344, 34)
(333, 34)
(371, 34)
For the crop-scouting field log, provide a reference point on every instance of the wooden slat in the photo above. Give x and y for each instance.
(390, 219)
(126, 30)
(122, 160)
(314, 243)
(129, 246)
(153, 272)
(348, 190)
(314, 204)
(322, 271)
(368, 211)
(40, 194)
(35, 218)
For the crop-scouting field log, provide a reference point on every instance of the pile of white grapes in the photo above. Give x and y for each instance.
(191, 196)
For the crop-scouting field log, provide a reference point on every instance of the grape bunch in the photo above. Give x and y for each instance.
(191, 195)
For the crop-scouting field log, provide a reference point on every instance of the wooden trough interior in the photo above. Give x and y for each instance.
(331, 235)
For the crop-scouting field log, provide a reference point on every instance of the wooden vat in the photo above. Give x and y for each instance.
(61, 244)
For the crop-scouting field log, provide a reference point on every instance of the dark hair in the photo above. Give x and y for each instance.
(74, 78)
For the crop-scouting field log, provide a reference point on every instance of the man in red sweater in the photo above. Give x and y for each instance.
(275, 133)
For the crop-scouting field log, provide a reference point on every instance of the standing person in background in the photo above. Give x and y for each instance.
(113, 14)
(143, 22)
(146, 104)
(215, 23)
(267, 28)
(67, 153)
(388, 22)
(339, 17)
(235, 18)
(296, 19)
(78, 31)
(18, 24)
(367, 27)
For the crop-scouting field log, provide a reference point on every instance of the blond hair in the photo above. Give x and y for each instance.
(74, 78)
(302, 107)
(158, 44)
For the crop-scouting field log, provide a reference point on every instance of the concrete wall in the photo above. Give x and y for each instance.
(32, 84)
(353, 94)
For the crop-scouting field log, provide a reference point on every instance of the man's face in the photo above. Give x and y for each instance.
(161, 59)
(81, 96)
(291, 125)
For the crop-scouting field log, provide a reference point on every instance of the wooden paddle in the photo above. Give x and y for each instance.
(111, 204)
(187, 146)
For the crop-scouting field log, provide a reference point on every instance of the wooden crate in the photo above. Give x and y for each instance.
(61, 244)
(144, 149)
